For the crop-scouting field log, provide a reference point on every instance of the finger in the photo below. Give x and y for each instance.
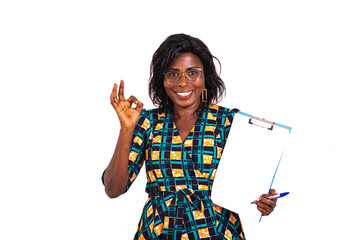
(265, 196)
(113, 93)
(264, 208)
(273, 192)
(132, 99)
(139, 106)
(121, 91)
(263, 211)
(269, 202)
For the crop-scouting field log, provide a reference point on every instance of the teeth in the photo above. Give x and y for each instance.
(184, 93)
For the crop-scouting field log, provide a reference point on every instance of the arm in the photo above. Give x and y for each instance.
(116, 175)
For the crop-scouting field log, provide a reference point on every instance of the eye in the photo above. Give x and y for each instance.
(193, 73)
(171, 74)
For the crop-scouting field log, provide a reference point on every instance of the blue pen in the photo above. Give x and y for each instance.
(277, 196)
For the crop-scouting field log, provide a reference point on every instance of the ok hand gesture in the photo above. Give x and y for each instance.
(127, 115)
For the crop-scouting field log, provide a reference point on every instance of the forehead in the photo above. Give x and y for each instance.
(186, 60)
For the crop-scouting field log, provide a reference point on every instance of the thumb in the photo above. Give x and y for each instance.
(273, 192)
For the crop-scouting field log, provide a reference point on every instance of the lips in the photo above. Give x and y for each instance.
(184, 95)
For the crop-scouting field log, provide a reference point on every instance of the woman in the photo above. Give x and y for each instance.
(181, 143)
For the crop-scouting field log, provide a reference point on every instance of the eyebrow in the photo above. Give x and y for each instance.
(176, 69)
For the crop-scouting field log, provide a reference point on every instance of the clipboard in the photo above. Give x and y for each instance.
(248, 166)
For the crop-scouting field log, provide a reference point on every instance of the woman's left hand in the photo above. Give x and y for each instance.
(264, 205)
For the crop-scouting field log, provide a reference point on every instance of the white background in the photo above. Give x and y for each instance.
(294, 62)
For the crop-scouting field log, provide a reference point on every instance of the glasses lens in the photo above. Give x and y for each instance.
(193, 74)
(172, 76)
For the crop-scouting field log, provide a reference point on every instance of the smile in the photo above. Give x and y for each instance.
(184, 94)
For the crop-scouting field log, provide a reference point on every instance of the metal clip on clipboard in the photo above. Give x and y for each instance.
(261, 122)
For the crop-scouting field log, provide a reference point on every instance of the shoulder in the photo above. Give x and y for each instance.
(221, 110)
(222, 117)
(150, 117)
(223, 114)
(153, 114)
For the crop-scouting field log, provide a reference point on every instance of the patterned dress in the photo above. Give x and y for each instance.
(180, 175)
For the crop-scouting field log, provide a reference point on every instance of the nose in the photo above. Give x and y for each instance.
(183, 81)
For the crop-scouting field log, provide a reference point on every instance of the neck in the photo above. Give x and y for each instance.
(185, 113)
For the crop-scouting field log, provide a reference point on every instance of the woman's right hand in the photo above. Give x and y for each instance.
(127, 115)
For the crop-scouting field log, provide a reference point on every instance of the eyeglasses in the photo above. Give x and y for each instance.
(191, 74)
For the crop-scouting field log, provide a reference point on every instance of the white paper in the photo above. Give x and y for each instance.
(246, 169)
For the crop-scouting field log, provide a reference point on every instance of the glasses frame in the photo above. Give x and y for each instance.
(185, 73)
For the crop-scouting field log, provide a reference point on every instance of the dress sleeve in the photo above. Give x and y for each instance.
(137, 150)
(138, 146)
(229, 121)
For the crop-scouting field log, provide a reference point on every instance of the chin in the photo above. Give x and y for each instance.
(186, 104)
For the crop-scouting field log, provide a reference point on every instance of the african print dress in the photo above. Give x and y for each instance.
(180, 175)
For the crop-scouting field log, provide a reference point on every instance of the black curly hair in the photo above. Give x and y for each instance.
(173, 46)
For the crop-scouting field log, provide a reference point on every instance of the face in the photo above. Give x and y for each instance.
(185, 93)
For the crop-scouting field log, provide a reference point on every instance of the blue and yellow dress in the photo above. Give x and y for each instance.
(180, 175)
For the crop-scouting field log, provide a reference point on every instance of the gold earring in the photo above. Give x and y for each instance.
(204, 95)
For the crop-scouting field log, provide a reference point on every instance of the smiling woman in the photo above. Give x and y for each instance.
(165, 56)
(181, 143)
(185, 91)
